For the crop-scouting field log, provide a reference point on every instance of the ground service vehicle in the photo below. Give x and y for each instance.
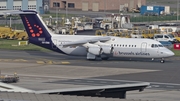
(9, 79)
(165, 37)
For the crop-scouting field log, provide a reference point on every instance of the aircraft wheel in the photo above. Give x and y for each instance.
(162, 61)
(105, 58)
(92, 59)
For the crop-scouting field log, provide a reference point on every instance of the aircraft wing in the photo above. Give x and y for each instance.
(92, 40)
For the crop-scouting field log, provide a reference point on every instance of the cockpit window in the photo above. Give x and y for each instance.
(156, 45)
(160, 45)
(152, 46)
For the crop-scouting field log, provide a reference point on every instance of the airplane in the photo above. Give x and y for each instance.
(92, 47)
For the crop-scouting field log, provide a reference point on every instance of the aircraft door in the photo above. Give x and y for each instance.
(157, 50)
(144, 47)
(54, 44)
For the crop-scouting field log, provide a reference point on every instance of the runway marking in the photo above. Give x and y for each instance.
(170, 86)
(116, 83)
(52, 62)
(14, 60)
(71, 72)
(80, 81)
(103, 82)
(20, 60)
(149, 87)
(65, 62)
(6, 60)
(38, 78)
(175, 84)
(25, 77)
(154, 85)
(51, 79)
(90, 81)
(77, 80)
(40, 62)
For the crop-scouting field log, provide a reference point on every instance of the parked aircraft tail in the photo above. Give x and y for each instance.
(35, 28)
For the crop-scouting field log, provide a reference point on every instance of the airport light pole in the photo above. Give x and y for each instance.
(66, 9)
(112, 18)
(177, 10)
(105, 5)
(10, 21)
(56, 14)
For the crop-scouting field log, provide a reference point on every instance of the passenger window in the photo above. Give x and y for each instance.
(132, 45)
(129, 45)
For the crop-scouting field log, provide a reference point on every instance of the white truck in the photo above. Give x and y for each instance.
(165, 37)
(106, 25)
(88, 25)
(165, 28)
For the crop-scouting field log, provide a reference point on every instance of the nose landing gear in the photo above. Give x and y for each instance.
(162, 60)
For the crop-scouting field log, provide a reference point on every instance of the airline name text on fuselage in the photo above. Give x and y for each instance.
(131, 53)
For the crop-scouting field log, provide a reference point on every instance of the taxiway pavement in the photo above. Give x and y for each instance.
(54, 71)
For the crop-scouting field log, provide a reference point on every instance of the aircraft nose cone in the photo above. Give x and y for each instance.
(170, 53)
(167, 53)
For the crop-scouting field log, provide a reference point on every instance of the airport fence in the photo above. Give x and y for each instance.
(153, 18)
(18, 26)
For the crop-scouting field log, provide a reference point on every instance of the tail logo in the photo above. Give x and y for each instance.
(37, 33)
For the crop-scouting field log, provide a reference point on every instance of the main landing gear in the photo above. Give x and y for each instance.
(162, 60)
(105, 58)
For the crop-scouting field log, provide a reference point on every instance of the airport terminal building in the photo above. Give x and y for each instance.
(82, 5)
(96, 5)
(22, 4)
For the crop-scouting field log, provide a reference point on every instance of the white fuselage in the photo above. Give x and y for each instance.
(122, 47)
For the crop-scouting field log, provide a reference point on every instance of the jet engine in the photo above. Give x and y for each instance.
(95, 50)
(107, 49)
